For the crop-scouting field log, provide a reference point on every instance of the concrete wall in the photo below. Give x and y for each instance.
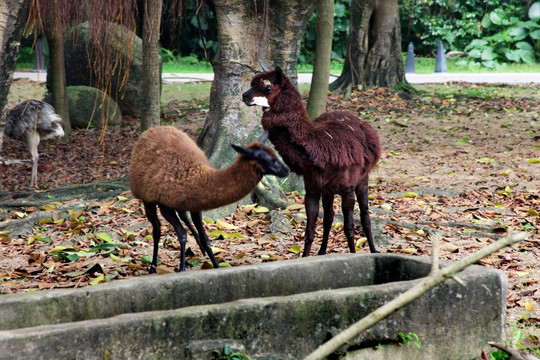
(280, 310)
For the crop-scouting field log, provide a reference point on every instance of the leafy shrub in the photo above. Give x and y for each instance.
(455, 23)
(515, 40)
(339, 39)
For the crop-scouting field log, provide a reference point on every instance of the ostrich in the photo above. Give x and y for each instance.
(32, 121)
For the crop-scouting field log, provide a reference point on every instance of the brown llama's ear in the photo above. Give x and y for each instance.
(243, 151)
(264, 136)
(279, 75)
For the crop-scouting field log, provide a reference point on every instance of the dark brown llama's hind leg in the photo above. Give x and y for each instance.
(151, 213)
(311, 202)
(347, 206)
(328, 207)
(183, 216)
(170, 215)
(362, 195)
(196, 216)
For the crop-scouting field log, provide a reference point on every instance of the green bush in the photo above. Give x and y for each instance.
(515, 40)
(455, 23)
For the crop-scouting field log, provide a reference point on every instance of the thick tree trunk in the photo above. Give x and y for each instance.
(373, 46)
(151, 65)
(250, 33)
(57, 71)
(318, 93)
(11, 26)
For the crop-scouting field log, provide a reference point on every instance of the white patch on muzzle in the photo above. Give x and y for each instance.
(261, 101)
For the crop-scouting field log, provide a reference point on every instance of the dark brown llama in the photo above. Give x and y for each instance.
(168, 170)
(334, 153)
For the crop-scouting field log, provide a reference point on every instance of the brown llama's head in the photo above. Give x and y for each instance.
(264, 156)
(265, 87)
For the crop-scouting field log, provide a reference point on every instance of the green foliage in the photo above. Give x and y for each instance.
(195, 34)
(515, 40)
(516, 341)
(339, 39)
(229, 354)
(455, 23)
(409, 339)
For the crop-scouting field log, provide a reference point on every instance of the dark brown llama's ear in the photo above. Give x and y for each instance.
(279, 75)
(264, 68)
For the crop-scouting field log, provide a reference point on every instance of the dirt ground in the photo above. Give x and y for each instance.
(462, 161)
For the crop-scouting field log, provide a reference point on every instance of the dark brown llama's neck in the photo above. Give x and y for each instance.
(288, 111)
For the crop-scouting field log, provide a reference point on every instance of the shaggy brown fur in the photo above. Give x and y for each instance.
(334, 153)
(169, 170)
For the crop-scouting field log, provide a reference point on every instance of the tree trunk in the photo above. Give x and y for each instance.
(56, 73)
(151, 64)
(318, 92)
(373, 46)
(11, 26)
(249, 33)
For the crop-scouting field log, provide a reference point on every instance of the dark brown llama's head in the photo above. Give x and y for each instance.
(265, 87)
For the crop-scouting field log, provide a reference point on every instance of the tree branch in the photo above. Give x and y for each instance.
(434, 279)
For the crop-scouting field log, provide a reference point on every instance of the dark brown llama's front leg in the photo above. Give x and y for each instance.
(347, 206)
(311, 202)
(328, 207)
(362, 195)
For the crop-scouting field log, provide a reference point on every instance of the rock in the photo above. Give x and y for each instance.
(81, 69)
(90, 105)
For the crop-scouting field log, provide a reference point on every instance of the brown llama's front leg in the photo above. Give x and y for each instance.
(183, 216)
(362, 195)
(311, 203)
(347, 206)
(170, 215)
(150, 210)
(196, 216)
(328, 207)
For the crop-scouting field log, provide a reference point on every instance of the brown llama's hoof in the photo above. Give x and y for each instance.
(152, 269)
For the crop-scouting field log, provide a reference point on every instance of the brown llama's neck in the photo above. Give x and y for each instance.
(227, 186)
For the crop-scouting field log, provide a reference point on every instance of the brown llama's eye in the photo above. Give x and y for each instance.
(268, 89)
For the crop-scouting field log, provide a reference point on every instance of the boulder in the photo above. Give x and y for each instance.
(122, 48)
(88, 106)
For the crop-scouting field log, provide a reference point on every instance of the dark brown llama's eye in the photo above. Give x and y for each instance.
(268, 89)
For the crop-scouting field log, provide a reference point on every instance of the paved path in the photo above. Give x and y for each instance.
(501, 78)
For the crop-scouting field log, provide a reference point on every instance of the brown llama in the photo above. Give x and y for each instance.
(170, 171)
(334, 153)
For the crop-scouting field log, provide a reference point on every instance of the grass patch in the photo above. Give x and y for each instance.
(190, 64)
(427, 66)
(195, 92)
(187, 66)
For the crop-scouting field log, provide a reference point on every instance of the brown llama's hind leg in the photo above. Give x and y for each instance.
(347, 206)
(362, 195)
(170, 215)
(328, 207)
(196, 216)
(311, 202)
(151, 213)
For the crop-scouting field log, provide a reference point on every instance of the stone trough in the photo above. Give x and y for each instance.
(280, 310)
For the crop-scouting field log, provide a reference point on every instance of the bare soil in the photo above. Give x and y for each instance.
(459, 160)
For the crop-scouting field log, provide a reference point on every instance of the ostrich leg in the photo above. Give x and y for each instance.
(32, 141)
